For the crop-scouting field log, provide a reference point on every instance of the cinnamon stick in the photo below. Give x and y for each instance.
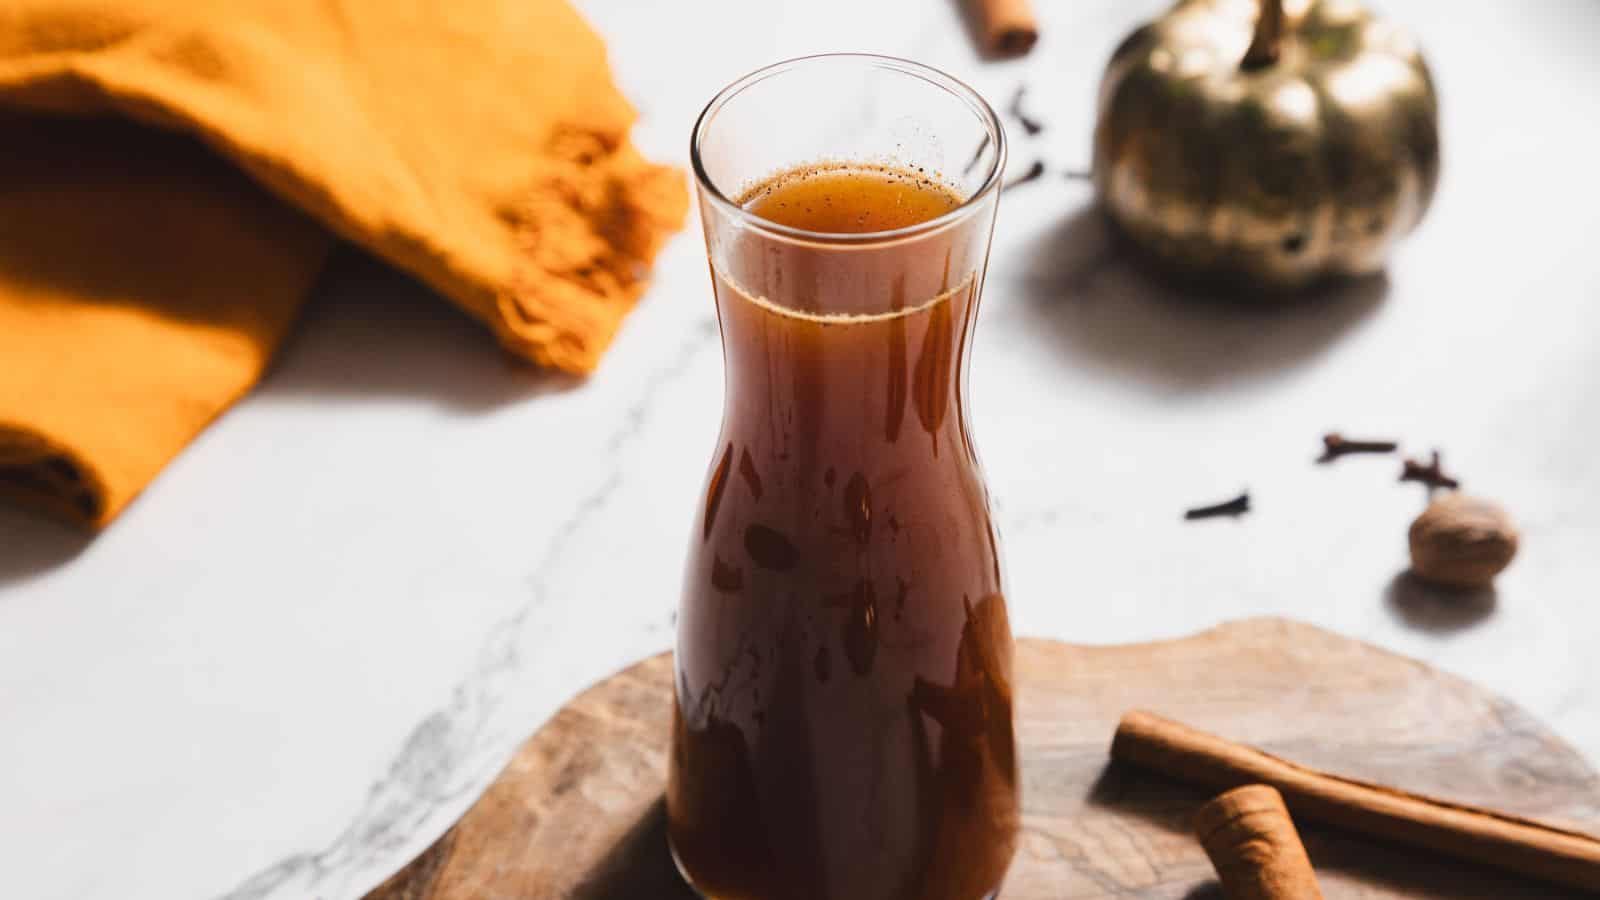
(1005, 27)
(1254, 846)
(1529, 848)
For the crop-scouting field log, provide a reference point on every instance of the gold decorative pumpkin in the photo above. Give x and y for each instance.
(1267, 143)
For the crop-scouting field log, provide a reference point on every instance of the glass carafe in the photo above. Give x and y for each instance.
(843, 720)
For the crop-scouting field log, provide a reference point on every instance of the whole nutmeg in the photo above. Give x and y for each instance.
(1462, 542)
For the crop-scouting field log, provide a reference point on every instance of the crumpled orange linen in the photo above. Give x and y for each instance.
(172, 174)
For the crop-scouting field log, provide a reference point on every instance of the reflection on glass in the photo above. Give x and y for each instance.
(843, 722)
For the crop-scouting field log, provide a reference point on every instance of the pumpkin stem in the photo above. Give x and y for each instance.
(1268, 40)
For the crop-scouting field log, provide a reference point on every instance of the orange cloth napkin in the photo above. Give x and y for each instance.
(145, 280)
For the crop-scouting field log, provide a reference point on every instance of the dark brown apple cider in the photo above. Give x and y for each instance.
(843, 721)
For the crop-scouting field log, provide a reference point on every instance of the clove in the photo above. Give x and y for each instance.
(1029, 124)
(1429, 473)
(1034, 172)
(1236, 507)
(1335, 445)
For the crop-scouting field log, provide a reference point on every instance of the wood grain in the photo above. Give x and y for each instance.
(578, 813)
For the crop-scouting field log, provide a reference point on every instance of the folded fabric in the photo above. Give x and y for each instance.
(145, 280)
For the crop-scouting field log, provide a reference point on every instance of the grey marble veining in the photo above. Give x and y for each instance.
(453, 753)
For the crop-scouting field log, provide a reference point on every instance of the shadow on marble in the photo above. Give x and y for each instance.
(371, 333)
(32, 544)
(639, 865)
(1085, 286)
(1434, 609)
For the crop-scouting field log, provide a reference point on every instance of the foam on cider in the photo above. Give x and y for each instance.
(850, 198)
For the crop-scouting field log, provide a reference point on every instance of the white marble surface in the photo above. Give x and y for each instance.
(321, 631)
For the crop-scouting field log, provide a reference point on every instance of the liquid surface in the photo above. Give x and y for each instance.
(850, 199)
(843, 724)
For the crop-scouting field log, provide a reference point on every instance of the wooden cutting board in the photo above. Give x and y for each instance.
(578, 812)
